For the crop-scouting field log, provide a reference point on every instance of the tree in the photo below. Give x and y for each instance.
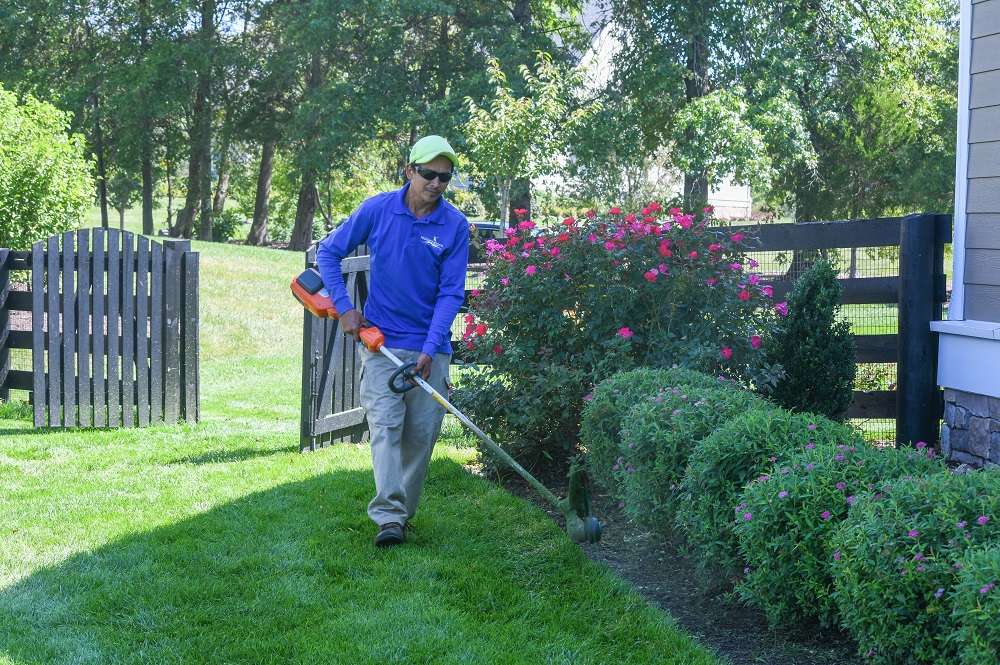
(828, 61)
(45, 181)
(522, 137)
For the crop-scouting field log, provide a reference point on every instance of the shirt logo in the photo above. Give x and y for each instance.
(432, 242)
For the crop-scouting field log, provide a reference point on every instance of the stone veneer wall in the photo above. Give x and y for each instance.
(971, 430)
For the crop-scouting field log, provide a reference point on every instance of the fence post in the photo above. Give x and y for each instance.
(172, 301)
(917, 404)
(4, 324)
(311, 357)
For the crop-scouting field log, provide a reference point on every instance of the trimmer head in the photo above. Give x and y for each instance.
(581, 524)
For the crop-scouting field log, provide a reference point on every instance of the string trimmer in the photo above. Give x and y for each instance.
(580, 524)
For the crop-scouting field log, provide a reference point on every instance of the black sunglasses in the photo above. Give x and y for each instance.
(429, 174)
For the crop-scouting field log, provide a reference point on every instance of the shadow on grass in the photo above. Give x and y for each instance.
(289, 575)
(250, 581)
(223, 455)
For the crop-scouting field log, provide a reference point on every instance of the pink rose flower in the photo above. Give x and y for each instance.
(530, 270)
(781, 308)
(726, 352)
(767, 291)
(625, 332)
(755, 341)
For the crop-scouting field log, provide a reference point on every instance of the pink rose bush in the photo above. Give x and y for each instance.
(595, 294)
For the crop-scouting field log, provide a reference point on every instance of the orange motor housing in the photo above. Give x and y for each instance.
(308, 290)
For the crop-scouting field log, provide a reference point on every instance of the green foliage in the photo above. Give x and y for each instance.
(976, 601)
(907, 549)
(786, 521)
(521, 137)
(864, 95)
(816, 350)
(714, 140)
(600, 426)
(658, 436)
(564, 309)
(45, 180)
(723, 463)
(230, 224)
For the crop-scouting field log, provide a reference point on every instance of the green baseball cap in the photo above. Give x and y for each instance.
(430, 147)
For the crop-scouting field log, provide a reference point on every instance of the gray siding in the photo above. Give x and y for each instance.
(982, 242)
(982, 231)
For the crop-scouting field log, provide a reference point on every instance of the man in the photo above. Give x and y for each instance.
(419, 246)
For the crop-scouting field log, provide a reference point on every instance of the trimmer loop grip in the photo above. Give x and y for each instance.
(407, 384)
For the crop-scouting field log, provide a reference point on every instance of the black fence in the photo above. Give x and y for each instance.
(111, 323)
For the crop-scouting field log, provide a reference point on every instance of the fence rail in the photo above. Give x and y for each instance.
(113, 330)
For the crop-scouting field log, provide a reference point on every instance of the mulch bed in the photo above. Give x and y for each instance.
(668, 579)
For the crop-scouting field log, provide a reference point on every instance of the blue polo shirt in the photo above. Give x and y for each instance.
(417, 280)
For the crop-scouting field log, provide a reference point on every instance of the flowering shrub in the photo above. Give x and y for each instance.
(899, 573)
(735, 454)
(600, 427)
(564, 308)
(977, 605)
(658, 435)
(787, 517)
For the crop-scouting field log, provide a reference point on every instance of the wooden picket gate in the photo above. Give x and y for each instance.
(331, 408)
(113, 330)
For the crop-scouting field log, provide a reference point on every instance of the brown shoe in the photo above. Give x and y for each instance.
(389, 534)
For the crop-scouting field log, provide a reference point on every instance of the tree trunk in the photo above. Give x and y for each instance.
(121, 218)
(696, 86)
(205, 93)
(147, 189)
(305, 208)
(222, 185)
(520, 197)
(258, 229)
(505, 185)
(305, 211)
(695, 192)
(170, 194)
(146, 146)
(102, 173)
(185, 217)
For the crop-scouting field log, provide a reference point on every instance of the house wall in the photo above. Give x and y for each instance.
(982, 235)
(969, 342)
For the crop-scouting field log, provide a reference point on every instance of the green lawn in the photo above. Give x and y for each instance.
(221, 543)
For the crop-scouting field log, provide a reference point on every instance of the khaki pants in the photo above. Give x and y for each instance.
(403, 431)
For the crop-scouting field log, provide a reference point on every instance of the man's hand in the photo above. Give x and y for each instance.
(351, 323)
(423, 367)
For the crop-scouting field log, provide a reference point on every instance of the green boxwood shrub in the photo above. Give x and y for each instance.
(815, 349)
(658, 435)
(725, 461)
(898, 565)
(977, 606)
(787, 518)
(600, 426)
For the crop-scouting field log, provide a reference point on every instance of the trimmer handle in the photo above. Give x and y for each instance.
(308, 289)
